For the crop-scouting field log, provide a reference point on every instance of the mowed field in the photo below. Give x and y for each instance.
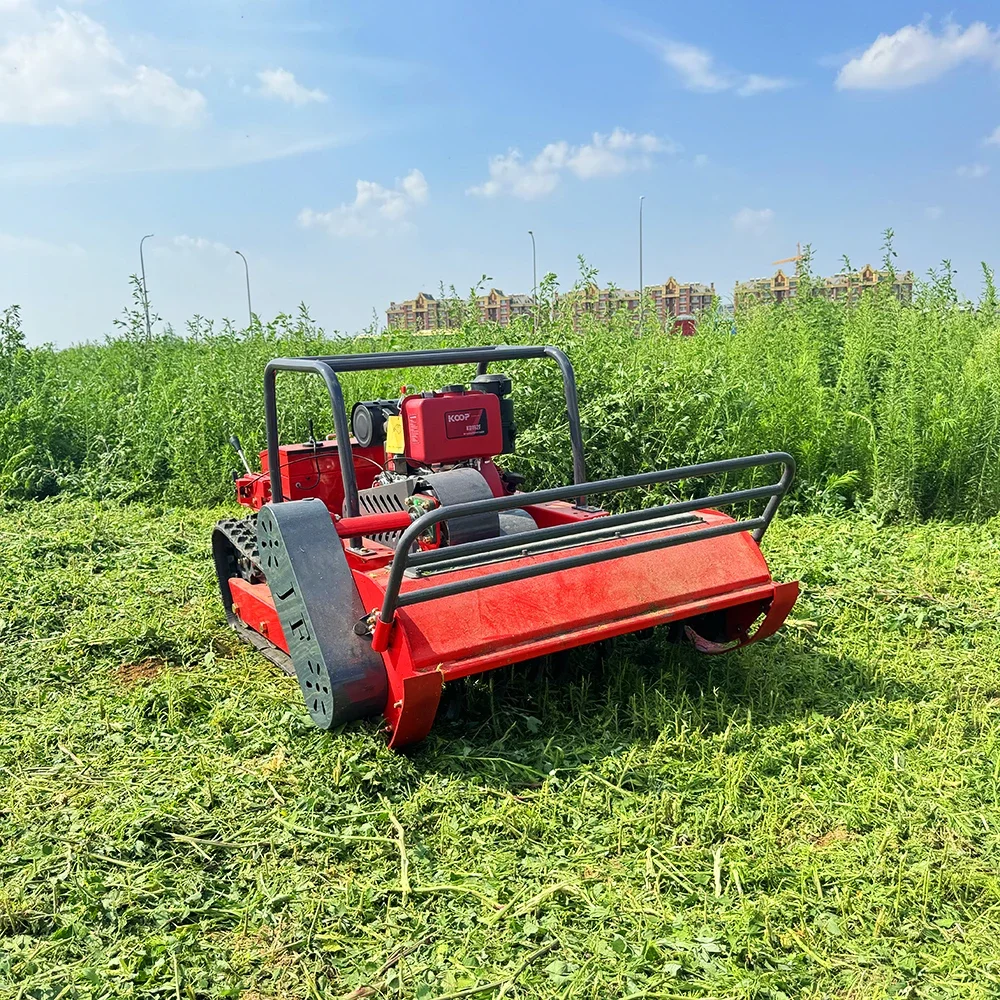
(816, 816)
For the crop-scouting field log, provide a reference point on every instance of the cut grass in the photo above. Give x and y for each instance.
(815, 817)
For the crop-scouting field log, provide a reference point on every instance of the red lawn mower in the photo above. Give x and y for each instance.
(379, 566)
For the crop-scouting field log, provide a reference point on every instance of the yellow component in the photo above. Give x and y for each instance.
(788, 260)
(394, 436)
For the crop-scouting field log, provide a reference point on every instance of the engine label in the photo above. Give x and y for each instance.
(470, 422)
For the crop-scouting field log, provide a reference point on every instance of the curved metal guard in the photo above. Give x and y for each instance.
(778, 610)
(341, 677)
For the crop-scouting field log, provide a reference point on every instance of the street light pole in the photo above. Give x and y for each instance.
(145, 296)
(641, 296)
(246, 268)
(534, 285)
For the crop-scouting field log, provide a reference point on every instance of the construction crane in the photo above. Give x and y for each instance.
(788, 260)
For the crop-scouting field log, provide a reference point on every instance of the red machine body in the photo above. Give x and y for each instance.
(425, 650)
(310, 470)
(439, 568)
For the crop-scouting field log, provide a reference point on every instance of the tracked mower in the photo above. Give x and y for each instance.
(378, 566)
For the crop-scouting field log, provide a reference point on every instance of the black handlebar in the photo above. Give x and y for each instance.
(580, 532)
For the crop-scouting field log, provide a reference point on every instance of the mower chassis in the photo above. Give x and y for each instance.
(368, 628)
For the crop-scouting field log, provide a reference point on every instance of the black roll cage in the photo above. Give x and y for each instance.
(329, 367)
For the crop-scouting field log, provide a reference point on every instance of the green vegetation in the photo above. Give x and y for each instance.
(817, 816)
(894, 409)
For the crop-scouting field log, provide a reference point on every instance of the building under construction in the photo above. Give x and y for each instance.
(425, 312)
(843, 287)
(846, 286)
(667, 301)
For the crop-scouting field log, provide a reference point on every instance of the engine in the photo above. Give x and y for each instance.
(414, 453)
(446, 427)
(439, 450)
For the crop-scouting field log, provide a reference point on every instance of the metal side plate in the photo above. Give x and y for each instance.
(341, 676)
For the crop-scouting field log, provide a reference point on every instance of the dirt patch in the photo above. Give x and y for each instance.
(227, 646)
(138, 673)
(835, 836)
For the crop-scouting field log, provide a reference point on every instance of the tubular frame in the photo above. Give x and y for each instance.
(329, 367)
(578, 533)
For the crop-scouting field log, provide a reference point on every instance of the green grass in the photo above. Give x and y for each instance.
(815, 817)
(887, 408)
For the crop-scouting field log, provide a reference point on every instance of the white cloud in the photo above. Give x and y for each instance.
(414, 186)
(701, 160)
(509, 173)
(604, 156)
(974, 171)
(755, 84)
(993, 139)
(35, 247)
(915, 54)
(695, 66)
(753, 220)
(281, 84)
(373, 205)
(617, 153)
(67, 70)
(698, 70)
(192, 244)
(934, 212)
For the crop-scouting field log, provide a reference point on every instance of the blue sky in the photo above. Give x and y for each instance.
(360, 152)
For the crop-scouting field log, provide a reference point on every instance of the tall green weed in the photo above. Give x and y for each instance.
(891, 407)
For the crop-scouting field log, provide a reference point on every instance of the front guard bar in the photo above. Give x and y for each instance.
(579, 533)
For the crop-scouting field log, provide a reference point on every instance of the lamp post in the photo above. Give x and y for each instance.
(534, 285)
(145, 296)
(246, 268)
(641, 296)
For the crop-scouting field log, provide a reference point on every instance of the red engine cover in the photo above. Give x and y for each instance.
(451, 426)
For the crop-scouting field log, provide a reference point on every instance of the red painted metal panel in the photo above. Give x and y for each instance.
(451, 426)
(516, 620)
(560, 512)
(253, 605)
(308, 471)
(413, 703)
(571, 638)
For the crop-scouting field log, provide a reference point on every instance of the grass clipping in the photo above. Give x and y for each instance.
(814, 817)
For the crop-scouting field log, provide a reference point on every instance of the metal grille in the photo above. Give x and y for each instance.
(386, 500)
